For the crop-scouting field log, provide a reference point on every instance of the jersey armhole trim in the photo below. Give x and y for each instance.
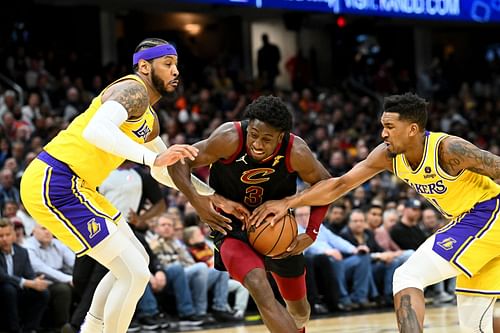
(288, 153)
(231, 158)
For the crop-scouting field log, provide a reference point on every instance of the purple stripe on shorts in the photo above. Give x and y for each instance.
(64, 202)
(448, 242)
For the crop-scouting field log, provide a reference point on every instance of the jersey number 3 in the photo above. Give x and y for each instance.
(253, 195)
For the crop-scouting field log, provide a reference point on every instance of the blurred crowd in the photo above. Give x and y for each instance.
(365, 235)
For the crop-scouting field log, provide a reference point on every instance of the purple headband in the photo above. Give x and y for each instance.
(154, 52)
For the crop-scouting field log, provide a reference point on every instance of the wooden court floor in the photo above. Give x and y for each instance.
(438, 320)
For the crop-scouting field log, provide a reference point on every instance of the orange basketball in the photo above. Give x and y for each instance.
(273, 241)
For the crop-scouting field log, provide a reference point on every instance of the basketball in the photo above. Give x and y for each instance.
(273, 241)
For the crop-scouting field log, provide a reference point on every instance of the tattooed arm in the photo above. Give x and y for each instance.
(132, 95)
(456, 154)
(122, 101)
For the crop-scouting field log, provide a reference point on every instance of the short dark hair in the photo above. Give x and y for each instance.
(410, 107)
(147, 44)
(271, 110)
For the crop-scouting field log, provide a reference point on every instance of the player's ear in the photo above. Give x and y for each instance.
(281, 136)
(414, 129)
(144, 66)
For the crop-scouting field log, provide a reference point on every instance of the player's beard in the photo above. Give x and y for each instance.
(158, 83)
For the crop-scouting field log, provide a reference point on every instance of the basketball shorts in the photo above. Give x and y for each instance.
(59, 200)
(471, 244)
(240, 258)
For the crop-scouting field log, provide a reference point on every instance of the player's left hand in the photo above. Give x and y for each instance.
(231, 207)
(299, 244)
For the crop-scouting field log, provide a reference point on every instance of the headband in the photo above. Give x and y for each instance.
(154, 52)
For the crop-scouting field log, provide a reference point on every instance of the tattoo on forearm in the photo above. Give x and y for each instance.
(407, 317)
(461, 153)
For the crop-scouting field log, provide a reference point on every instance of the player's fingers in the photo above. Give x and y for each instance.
(292, 246)
(223, 221)
(257, 217)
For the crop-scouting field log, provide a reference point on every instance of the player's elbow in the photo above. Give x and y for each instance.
(91, 133)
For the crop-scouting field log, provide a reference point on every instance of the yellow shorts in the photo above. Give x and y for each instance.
(59, 200)
(471, 243)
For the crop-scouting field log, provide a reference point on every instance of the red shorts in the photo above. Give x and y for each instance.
(239, 259)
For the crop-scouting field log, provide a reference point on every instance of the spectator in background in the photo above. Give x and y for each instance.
(7, 189)
(374, 215)
(382, 236)
(335, 218)
(201, 251)
(407, 233)
(430, 221)
(384, 262)
(19, 230)
(268, 59)
(300, 72)
(350, 263)
(55, 261)
(23, 295)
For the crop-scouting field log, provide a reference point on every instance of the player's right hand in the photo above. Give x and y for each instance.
(176, 153)
(277, 209)
(207, 213)
(232, 208)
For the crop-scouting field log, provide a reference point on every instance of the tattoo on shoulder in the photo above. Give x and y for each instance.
(133, 97)
(407, 316)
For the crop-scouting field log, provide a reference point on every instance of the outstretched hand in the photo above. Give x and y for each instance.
(176, 153)
(277, 209)
(233, 208)
(299, 244)
(207, 213)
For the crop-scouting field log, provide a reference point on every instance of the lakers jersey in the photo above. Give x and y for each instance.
(451, 195)
(87, 161)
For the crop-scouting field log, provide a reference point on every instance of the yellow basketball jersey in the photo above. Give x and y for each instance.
(451, 195)
(86, 160)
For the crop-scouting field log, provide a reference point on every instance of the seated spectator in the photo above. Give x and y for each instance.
(374, 215)
(55, 261)
(384, 262)
(7, 189)
(335, 218)
(23, 295)
(174, 258)
(180, 265)
(382, 236)
(19, 230)
(350, 263)
(406, 232)
(202, 252)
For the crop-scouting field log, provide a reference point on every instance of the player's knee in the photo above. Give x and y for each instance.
(258, 286)
(300, 314)
(140, 273)
(406, 277)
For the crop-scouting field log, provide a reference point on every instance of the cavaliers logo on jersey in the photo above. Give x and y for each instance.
(143, 131)
(93, 227)
(256, 176)
(447, 243)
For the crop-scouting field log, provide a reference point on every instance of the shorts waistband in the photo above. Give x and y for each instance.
(52, 161)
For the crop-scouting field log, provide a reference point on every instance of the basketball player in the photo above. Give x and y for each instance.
(252, 161)
(456, 178)
(59, 187)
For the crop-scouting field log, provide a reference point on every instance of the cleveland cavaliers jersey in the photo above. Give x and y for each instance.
(451, 195)
(87, 161)
(242, 179)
